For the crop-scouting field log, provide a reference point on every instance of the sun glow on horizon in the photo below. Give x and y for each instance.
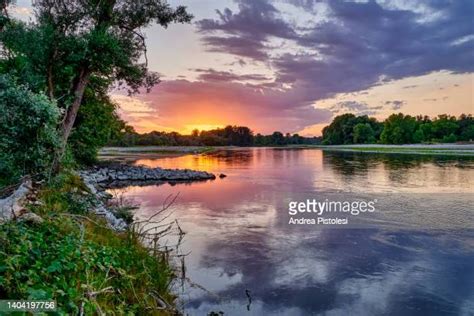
(188, 129)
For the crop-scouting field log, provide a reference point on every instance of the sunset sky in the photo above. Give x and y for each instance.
(292, 65)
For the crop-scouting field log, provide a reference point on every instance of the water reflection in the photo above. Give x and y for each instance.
(240, 243)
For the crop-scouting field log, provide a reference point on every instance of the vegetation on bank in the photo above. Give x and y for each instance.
(55, 113)
(467, 151)
(227, 136)
(344, 129)
(73, 258)
(61, 65)
(398, 129)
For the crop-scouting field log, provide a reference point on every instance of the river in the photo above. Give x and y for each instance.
(414, 256)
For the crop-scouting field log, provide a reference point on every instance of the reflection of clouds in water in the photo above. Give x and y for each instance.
(301, 272)
(467, 307)
(239, 237)
(239, 308)
(372, 295)
(330, 270)
(214, 280)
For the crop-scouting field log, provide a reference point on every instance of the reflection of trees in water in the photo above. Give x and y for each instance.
(399, 167)
(231, 157)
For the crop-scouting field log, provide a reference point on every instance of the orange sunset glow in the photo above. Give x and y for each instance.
(262, 72)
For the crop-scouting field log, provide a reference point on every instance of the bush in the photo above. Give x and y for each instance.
(451, 138)
(73, 254)
(363, 134)
(28, 136)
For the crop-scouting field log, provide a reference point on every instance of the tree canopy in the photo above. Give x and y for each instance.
(72, 45)
(228, 136)
(398, 129)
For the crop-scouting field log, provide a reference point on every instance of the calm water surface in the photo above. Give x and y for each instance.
(417, 259)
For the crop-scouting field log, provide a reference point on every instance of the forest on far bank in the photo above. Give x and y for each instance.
(344, 129)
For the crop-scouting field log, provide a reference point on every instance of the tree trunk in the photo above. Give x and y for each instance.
(71, 113)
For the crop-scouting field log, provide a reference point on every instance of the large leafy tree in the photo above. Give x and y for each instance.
(398, 129)
(73, 42)
(363, 134)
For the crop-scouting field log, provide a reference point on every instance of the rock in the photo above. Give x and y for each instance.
(13, 205)
(100, 178)
(222, 176)
(31, 218)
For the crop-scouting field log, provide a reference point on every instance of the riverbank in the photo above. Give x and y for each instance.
(414, 149)
(128, 154)
(79, 247)
(125, 154)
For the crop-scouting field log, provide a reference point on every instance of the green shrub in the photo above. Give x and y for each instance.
(69, 256)
(57, 260)
(28, 136)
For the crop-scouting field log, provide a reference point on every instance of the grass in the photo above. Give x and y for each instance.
(73, 258)
(449, 150)
(404, 150)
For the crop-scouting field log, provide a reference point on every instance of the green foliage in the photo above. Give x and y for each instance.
(228, 136)
(451, 138)
(467, 134)
(342, 128)
(443, 126)
(96, 125)
(466, 127)
(419, 136)
(97, 43)
(66, 258)
(398, 129)
(363, 134)
(27, 131)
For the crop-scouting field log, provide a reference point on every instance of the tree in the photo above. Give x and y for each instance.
(466, 127)
(97, 124)
(77, 41)
(336, 132)
(341, 129)
(363, 134)
(419, 136)
(398, 129)
(28, 135)
(443, 126)
(277, 138)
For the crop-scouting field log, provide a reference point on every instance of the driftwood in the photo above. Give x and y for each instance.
(12, 206)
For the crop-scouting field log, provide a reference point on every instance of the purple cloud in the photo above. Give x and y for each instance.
(396, 104)
(214, 75)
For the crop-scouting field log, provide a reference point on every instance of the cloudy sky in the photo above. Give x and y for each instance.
(292, 65)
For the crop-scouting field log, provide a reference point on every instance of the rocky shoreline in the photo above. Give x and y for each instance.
(97, 180)
(100, 178)
(103, 176)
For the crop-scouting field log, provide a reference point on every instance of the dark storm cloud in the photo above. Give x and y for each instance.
(247, 31)
(358, 46)
(240, 46)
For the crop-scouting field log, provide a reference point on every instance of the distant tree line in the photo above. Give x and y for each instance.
(398, 129)
(227, 136)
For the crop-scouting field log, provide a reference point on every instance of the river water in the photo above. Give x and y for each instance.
(414, 256)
